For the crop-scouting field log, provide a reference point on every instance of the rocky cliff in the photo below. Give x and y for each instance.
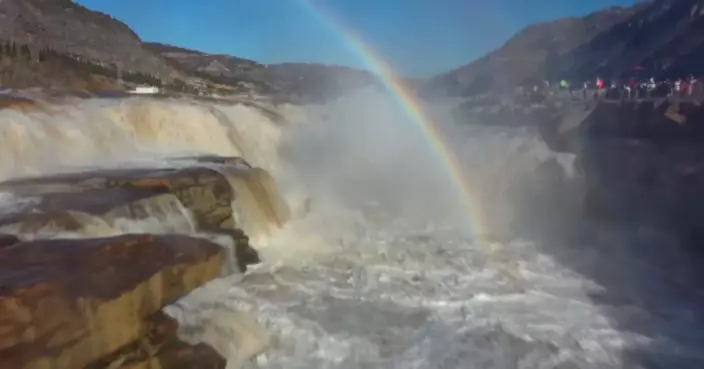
(663, 37)
(70, 303)
(642, 162)
(637, 162)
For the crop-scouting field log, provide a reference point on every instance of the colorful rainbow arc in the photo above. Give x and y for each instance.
(411, 107)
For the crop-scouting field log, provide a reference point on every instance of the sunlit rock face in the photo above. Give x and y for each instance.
(67, 237)
(187, 201)
(127, 227)
(68, 303)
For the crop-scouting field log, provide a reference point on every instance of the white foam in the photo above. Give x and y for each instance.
(415, 297)
(376, 273)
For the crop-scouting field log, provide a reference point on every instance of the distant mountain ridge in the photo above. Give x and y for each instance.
(62, 44)
(291, 81)
(664, 37)
(198, 61)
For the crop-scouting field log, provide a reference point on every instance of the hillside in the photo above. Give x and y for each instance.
(288, 81)
(197, 61)
(68, 28)
(666, 37)
(58, 43)
(18, 68)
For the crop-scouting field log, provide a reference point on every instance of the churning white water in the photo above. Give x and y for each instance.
(386, 269)
(382, 266)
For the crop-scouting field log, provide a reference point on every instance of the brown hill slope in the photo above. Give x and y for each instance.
(571, 47)
(69, 28)
(289, 81)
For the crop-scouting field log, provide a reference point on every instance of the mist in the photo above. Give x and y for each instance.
(365, 152)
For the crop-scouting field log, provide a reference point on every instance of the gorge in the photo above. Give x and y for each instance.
(311, 216)
(356, 248)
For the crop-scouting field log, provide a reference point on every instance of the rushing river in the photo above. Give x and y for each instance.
(385, 264)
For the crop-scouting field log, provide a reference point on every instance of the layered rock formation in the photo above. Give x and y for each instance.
(80, 202)
(71, 303)
(161, 348)
(77, 291)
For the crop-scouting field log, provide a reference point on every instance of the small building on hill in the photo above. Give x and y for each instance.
(145, 90)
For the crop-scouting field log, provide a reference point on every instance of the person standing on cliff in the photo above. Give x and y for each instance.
(676, 90)
(651, 87)
(684, 87)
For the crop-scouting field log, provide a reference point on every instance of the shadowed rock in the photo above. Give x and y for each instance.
(642, 162)
(662, 121)
(67, 303)
(7, 240)
(161, 348)
(214, 159)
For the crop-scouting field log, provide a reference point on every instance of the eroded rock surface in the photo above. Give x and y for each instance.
(160, 348)
(203, 191)
(204, 198)
(68, 303)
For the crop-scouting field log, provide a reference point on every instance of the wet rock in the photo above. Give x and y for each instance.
(93, 201)
(91, 212)
(214, 159)
(7, 240)
(236, 335)
(18, 103)
(66, 303)
(160, 347)
(203, 191)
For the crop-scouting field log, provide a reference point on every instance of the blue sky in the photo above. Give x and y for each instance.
(416, 37)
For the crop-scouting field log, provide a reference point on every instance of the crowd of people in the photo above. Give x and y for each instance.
(633, 88)
(626, 88)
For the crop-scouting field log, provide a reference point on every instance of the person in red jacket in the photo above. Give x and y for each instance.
(599, 83)
(684, 87)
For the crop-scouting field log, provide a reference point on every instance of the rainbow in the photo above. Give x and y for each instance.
(411, 107)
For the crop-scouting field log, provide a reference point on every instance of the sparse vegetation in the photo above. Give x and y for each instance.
(23, 66)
